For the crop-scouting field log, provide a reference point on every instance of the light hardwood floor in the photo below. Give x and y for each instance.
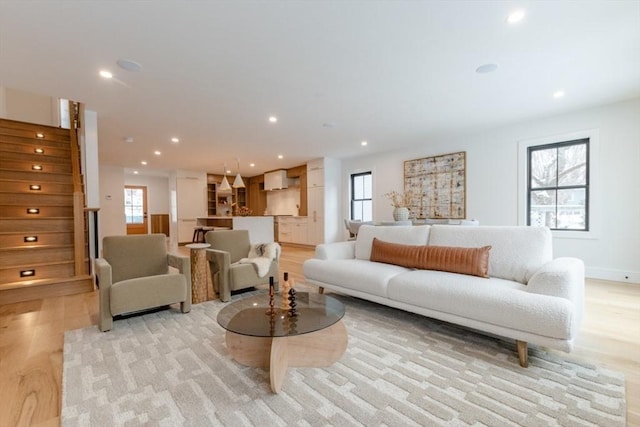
(31, 342)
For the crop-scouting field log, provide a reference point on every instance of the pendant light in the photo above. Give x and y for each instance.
(224, 185)
(238, 183)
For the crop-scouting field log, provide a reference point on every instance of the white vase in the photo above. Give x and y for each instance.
(401, 214)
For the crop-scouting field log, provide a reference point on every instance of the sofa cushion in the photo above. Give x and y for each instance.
(408, 235)
(364, 276)
(516, 252)
(496, 301)
(472, 261)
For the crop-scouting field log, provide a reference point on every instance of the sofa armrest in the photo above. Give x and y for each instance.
(562, 277)
(220, 266)
(337, 250)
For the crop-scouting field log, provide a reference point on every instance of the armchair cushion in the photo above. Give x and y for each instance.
(143, 293)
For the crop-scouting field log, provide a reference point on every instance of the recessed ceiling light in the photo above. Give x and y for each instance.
(515, 16)
(144, 163)
(364, 143)
(252, 165)
(487, 68)
(157, 153)
(135, 172)
(273, 119)
(105, 74)
(129, 65)
(175, 140)
(280, 156)
(558, 94)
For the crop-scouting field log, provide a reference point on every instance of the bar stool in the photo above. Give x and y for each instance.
(198, 234)
(205, 230)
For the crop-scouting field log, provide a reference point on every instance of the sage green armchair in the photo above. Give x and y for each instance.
(228, 274)
(133, 275)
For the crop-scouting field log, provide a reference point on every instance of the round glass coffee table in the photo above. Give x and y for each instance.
(315, 337)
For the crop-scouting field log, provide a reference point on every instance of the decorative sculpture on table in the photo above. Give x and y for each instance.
(292, 303)
(271, 310)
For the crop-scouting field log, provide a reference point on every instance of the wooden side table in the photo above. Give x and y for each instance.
(199, 286)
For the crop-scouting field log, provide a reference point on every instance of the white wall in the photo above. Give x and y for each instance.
(111, 220)
(492, 182)
(28, 107)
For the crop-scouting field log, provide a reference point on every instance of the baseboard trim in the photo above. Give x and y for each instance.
(613, 275)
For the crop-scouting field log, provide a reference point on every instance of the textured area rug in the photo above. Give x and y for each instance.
(400, 369)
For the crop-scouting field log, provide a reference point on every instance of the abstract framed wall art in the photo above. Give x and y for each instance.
(437, 186)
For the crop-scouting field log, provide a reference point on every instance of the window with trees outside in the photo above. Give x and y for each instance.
(361, 196)
(558, 185)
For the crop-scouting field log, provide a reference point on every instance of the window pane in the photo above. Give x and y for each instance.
(367, 210)
(357, 210)
(543, 208)
(543, 168)
(571, 209)
(368, 191)
(358, 187)
(133, 205)
(572, 165)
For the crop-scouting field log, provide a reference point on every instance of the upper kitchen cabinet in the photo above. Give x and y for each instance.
(315, 173)
(276, 180)
(323, 192)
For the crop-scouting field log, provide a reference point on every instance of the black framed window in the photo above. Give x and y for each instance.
(361, 196)
(558, 185)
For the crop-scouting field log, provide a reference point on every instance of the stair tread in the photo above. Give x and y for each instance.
(36, 265)
(35, 247)
(43, 282)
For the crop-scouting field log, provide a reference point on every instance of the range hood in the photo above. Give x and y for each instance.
(276, 180)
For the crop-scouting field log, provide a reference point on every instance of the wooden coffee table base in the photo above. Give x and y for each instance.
(317, 349)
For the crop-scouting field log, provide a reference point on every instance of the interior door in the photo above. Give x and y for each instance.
(135, 209)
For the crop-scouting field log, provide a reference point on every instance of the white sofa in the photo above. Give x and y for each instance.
(529, 296)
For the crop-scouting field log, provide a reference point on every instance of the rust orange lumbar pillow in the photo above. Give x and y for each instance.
(472, 261)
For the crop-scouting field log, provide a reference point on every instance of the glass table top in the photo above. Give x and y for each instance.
(249, 316)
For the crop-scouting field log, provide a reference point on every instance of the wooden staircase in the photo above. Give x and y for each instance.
(43, 226)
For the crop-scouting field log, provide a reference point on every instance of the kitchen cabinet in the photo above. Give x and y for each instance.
(323, 191)
(224, 203)
(293, 230)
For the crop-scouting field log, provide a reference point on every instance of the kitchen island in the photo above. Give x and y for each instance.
(260, 227)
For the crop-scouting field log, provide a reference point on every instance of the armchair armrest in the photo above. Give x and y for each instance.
(337, 250)
(182, 263)
(103, 273)
(219, 264)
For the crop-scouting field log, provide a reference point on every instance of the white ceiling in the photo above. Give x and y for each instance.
(394, 73)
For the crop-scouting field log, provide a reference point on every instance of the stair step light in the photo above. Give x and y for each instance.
(30, 239)
(35, 187)
(38, 150)
(27, 273)
(36, 167)
(33, 211)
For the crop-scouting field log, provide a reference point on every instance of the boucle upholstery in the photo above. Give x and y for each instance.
(529, 296)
